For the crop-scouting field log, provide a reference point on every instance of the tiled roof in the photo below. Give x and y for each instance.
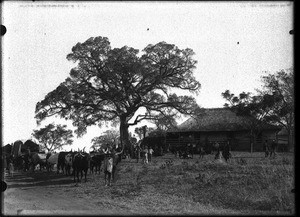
(218, 119)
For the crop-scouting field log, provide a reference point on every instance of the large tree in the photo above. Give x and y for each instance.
(112, 84)
(280, 85)
(53, 137)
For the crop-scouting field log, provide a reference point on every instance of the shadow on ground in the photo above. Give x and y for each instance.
(33, 179)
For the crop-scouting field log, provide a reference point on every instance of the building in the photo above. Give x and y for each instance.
(220, 125)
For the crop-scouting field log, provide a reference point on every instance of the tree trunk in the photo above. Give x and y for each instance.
(124, 135)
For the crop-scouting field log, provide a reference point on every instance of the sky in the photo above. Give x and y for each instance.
(235, 43)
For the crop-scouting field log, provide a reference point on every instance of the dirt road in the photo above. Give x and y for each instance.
(40, 191)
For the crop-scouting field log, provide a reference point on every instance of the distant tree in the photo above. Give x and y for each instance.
(53, 137)
(256, 109)
(133, 140)
(112, 84)
(109, 138)
(139, 131)
(280, 86)
(164, 123)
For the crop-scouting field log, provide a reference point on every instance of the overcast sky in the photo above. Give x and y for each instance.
(234, 44)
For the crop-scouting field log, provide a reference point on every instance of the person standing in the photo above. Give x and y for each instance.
(226, 151)
(146, 155)
(188, 149)
(273, 148)
(266, 148)
(217, 147)
(4, 163)
(150, 152)
(193, 149)
(138, 150)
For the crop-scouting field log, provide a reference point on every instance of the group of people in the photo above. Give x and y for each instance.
(224, 150)
(270, 148)
(145, 154)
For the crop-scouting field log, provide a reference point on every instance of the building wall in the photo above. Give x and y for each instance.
(239, 140)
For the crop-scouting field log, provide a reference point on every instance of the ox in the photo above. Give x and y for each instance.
(61, 161)
(69, 162)
(80, 164)
(52, 160)
(96, 161)
(110, 162)
(38, 159)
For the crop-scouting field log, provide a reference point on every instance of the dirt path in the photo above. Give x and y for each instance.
(51, 192)
(42, 193)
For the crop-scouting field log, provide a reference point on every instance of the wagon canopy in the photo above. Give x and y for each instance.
(32, 146)
(7, 149)
(16, 149)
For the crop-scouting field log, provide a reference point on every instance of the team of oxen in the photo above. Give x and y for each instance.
(28, 158)
(69, 163)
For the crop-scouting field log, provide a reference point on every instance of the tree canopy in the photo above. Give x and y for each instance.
(164, 123)
(273, 103)
(53, 137)
(255, 107)
(280, 85)
(112, 84)
(108, 138)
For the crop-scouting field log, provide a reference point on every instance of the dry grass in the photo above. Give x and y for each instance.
(248, 184)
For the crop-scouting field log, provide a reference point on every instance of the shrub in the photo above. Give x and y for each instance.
(242, 161)
(163, 166)
(128, 169)
(286, 161)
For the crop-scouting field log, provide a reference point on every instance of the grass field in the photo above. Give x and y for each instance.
(248, 184)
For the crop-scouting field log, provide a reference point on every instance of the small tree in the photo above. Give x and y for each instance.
(108, 138)
(142, 131)
(53, 137)
(139, 131)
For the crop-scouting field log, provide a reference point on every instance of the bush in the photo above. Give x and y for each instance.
(242, 161)
(286, 161)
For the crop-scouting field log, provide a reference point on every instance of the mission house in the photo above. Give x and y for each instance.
(220, 125)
